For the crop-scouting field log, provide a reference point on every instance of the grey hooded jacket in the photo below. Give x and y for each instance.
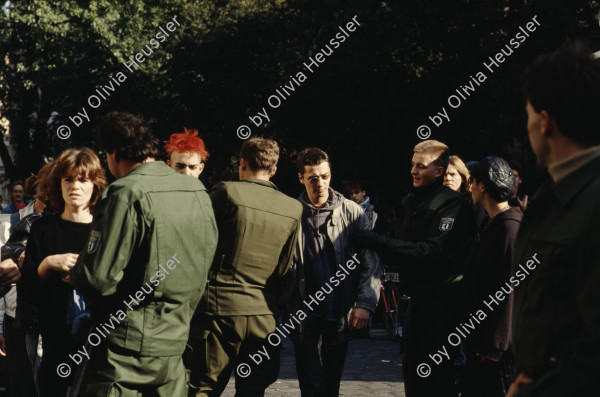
(359, 269)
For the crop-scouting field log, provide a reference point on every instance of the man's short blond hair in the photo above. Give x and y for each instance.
(437, 148)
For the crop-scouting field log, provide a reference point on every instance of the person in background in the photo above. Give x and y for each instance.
(358, 194)
(479, 214)
(18, 202)
(30, 192)
(518, 200)
(489, 269)
(74, 185)
(457, 176)
(22, 336)
(29, 186)
(186, 153)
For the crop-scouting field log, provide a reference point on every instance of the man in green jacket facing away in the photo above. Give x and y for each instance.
(556, 314)
(258, 230)
(144, 270)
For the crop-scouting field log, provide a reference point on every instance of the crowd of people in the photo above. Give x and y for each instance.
(152, 286)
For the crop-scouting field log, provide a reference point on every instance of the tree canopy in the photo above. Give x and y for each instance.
(363, 104)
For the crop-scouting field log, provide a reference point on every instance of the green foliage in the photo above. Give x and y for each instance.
(363, 104)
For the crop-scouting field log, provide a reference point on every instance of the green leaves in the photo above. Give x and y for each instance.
(227, 57)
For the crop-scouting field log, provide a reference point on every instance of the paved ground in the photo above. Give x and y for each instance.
(373, 368)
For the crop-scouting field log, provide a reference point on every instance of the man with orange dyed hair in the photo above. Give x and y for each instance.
(186, 153)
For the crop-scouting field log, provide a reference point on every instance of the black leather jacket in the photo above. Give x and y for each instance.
(27, 316)
(18, 238)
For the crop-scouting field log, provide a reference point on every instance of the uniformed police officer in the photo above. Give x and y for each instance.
(556, 314)
(432, 237)
(144, 270)
(258, 229)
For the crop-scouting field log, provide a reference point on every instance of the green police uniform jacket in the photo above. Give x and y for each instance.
(556, 314)
(258, 230)
(144, 270)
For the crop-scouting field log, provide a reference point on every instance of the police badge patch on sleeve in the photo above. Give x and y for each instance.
(446, 224)
(94, 241)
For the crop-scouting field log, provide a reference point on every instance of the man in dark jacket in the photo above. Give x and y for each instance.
(23, 326)
(336, 287)
(433, 234)
(556, 315)
(258, 230)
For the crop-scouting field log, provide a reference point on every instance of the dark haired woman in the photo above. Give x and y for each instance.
(73, 187)
(489, 359)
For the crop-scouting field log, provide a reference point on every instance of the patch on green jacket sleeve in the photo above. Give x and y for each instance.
(94, 241)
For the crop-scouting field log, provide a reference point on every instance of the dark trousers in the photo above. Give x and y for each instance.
(19, 375)
(481, 379)
(57, 348)
(428, 323)
(488, 378)
(320, 359)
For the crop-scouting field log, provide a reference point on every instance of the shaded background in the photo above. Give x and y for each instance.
(362, 105)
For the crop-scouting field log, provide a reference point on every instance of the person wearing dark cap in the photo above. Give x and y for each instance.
(556, 312)
(488, 271)
(471, 165)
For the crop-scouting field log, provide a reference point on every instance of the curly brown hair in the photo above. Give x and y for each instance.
(73, 162)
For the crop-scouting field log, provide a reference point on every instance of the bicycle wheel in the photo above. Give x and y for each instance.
(391, 318)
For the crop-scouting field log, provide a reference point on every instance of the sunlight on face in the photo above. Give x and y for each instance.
(186, 163)
(76, 191)
(424, 170)
(452, 178)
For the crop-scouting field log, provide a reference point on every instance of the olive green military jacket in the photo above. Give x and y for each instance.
(144, 270)
(556, 315)
(258, 230)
